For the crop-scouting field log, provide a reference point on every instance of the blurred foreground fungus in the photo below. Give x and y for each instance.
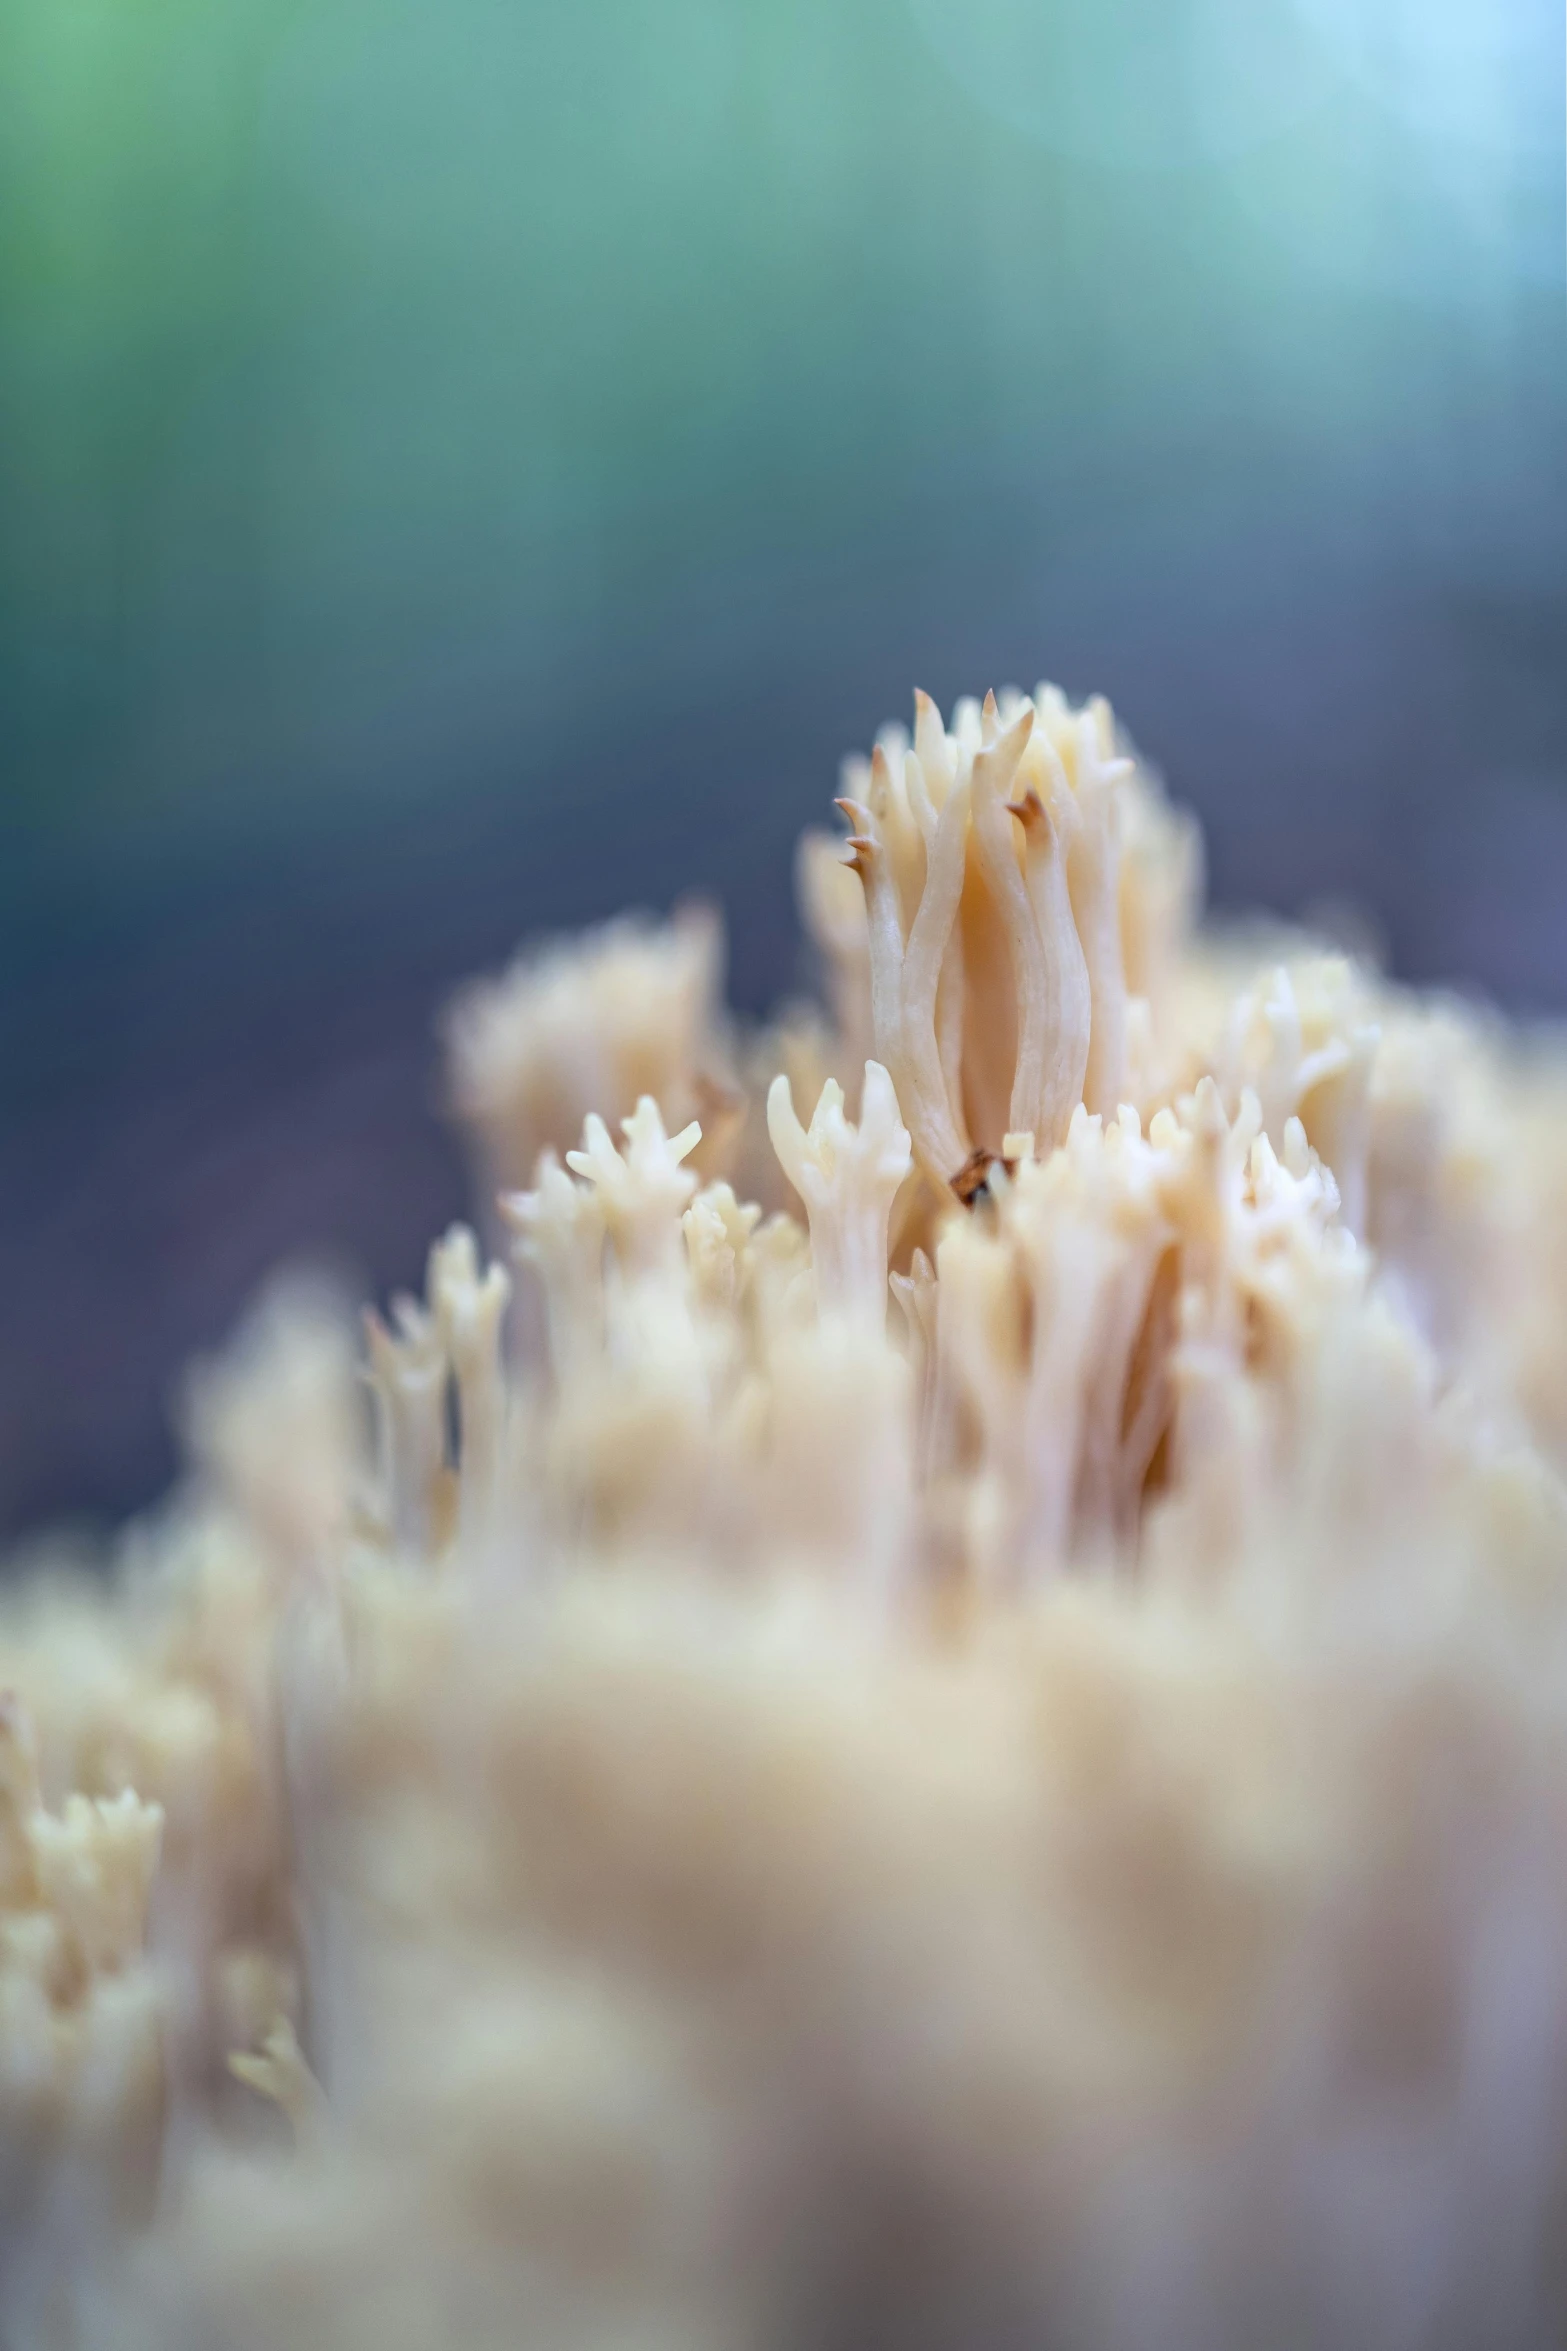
(934, 1714)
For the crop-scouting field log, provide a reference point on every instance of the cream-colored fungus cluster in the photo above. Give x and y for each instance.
(928, 1710)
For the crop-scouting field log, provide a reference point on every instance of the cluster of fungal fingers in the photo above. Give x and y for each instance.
(991, 860)
(923, 1698)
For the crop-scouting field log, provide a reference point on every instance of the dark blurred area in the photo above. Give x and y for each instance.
(467, 465)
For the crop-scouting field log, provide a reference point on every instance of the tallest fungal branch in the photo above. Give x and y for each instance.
(990, 860)
(923, 1698)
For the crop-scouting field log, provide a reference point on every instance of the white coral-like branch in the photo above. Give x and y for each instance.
(407, 1369)
(848, 1177)
(643, 1190)
(470, 1312)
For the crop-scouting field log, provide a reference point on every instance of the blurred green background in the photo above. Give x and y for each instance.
(467, 464)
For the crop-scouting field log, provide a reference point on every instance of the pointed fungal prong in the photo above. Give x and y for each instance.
(1001, 756)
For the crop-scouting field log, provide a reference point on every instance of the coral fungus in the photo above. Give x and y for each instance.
(937, 1717)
